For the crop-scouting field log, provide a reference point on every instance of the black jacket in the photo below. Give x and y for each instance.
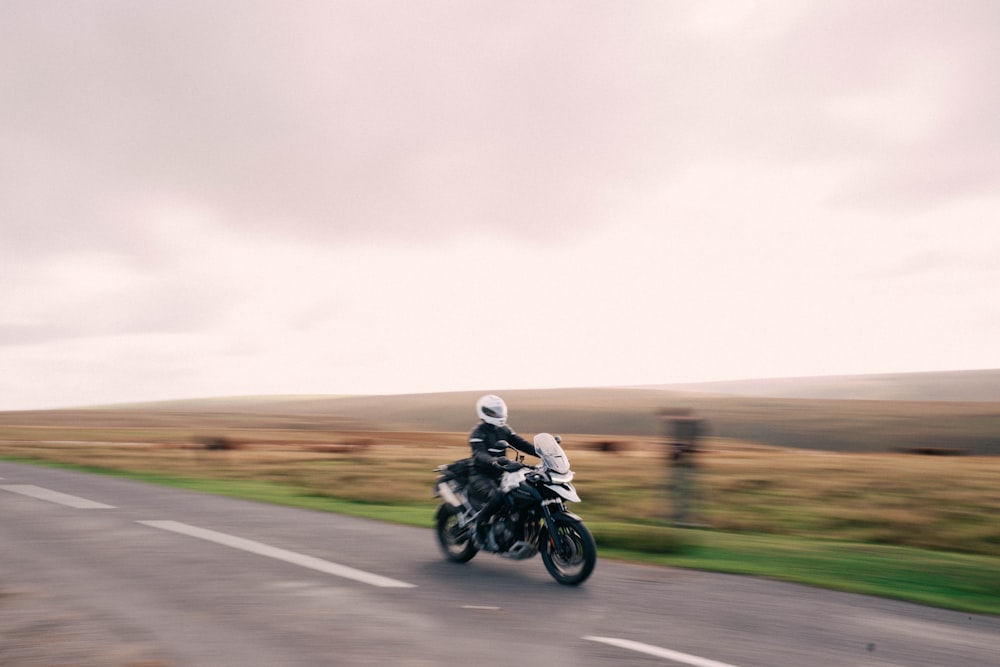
(486, 441)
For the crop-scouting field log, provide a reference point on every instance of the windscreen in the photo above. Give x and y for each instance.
(552, 455)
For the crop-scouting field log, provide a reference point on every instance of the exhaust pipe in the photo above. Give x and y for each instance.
(446, 492)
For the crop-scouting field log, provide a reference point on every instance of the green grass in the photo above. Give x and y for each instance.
(964, 582)
(265, 492)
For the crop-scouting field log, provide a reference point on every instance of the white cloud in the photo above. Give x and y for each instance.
(742, 19)
(404, 197)
(907, 111)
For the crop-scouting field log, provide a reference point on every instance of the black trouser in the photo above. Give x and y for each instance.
(485, 491)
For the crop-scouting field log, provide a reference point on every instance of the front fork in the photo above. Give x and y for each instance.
(550, 522)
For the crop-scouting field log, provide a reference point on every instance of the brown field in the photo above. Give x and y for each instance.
(815, 467)
(938, 502)
(835, 424)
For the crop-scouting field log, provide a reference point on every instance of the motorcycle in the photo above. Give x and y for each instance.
(533, 518)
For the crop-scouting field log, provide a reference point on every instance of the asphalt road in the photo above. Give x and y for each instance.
(101, 571)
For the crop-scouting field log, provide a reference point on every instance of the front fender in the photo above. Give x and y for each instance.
(566, 515)
(556, 511)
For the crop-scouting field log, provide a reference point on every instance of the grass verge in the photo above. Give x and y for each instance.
(963, 582)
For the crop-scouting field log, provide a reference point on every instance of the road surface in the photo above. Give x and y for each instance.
(102, 571)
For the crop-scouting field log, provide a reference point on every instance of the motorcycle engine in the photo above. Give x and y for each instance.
(504, 532)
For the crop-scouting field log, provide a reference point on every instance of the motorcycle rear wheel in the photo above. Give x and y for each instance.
(455, 542)
(572, 561)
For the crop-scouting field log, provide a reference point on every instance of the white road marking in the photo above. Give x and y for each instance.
(55, 496)
(262, 549)
(649, 649)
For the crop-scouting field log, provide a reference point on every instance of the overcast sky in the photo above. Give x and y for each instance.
(205, 198)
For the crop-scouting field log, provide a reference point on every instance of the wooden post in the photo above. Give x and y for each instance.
(682, 430)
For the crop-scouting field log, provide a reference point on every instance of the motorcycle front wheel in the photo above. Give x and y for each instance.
(572, 560)
(455, 541)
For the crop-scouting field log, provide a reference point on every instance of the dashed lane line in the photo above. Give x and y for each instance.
(232, 541)
(649, 649)
(42, 493)
(293, 557)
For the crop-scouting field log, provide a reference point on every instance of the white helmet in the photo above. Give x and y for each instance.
(492, 410)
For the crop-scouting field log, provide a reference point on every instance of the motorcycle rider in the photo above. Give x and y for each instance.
(489, 441)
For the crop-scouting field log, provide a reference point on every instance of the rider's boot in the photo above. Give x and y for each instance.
(483, 534)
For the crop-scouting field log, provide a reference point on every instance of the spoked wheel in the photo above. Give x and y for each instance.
(456, 542)
(572, 560)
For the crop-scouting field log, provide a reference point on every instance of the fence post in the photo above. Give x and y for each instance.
(682, 430)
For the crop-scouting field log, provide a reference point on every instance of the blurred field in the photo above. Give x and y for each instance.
(961, 426)
(845, 483)
(937, 502)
